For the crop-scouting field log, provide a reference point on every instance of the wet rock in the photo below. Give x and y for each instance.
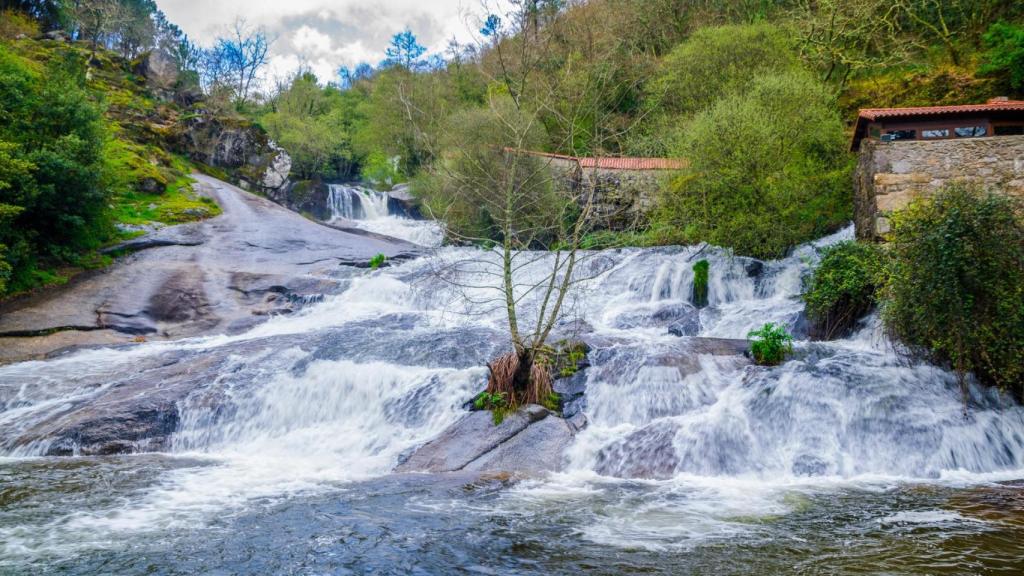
(661, 314)
(572, 391)
(647, 453)
(688, 326)
(403, 203)
(754, 268)
(531, 440)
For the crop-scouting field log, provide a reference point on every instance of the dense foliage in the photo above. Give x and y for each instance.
(1005, 54)
(52, 165)
(843, 288)
(956, 287)
(768, 169)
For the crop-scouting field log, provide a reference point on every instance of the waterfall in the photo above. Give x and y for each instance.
(350, 202)
(367, 209)
(340, 390)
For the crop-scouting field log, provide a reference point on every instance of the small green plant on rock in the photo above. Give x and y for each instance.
(700, 283)
(377, 261)
(770, 345)
(497, 403)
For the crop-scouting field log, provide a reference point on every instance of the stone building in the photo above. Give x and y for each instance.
(906, 153)
(624, 189)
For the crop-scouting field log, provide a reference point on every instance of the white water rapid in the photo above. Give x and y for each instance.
(368, 209)
(338, 391)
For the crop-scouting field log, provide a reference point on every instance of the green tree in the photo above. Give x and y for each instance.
(313, 124)
(1005, 54)
(52, 164)
(956, 284)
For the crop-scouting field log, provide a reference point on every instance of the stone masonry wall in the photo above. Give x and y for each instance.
(891, 174)
(622, 198)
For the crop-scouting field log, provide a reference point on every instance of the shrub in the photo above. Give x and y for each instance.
(700, 284)
(956, 283)
(771, 344)
(53, 169)
(768, 170)
(843, 288)
(14, 24)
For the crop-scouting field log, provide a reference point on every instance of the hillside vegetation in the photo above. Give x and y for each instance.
(759, 96)
(92, 152)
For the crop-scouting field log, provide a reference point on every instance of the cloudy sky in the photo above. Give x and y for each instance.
(327, 34)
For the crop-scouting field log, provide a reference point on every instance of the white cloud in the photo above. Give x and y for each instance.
(327, 34)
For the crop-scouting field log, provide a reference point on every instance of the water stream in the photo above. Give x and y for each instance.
(847, 459)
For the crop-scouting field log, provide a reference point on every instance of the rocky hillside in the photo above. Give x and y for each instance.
(154, 129)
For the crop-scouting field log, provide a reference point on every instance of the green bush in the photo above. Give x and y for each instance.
(769, 169)
(843, 288)
(52, 165)
(700, 283)
(770, 344)
(956, 283)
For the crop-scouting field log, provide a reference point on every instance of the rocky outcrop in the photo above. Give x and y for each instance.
(530, 441)
(402, 202)
(309, 197)
(160, 71)
(234, 145)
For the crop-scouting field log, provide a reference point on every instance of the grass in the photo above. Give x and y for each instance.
(178, 204)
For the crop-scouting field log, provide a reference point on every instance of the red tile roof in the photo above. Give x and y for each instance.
(617, 162)
(993, 105)
(868, 115)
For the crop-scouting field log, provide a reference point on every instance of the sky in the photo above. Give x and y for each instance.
(326, 34)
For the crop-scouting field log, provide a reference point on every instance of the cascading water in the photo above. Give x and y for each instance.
(369, 210)
(356, 203)
(684, 445)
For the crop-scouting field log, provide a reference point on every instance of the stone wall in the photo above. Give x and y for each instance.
(891, 174)
(622, 198)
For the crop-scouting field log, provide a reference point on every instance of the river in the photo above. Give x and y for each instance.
(848, 459)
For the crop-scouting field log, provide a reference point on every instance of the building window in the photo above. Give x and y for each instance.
(1009, 130)
(970, 131)
(943, 133)
(892, 135)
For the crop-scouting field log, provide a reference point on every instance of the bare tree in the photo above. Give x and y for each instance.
(238, 58)
(536, 208)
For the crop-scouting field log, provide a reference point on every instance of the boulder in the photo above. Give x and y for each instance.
(530, 441)
(160, 71)
(687, 326)
(305, 197)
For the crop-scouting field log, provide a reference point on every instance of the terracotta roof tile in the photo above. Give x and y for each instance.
(990, 106)
(617, 162)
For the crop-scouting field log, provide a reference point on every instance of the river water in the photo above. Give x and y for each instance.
(848, 459)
